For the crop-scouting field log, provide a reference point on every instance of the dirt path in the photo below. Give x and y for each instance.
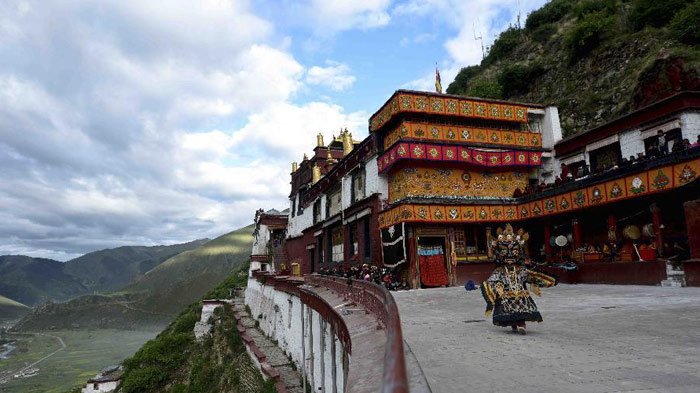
(22, 370)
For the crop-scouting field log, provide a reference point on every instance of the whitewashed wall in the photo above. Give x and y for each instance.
(259, 245)
(273, 310)
(102, 387)
(690, 125)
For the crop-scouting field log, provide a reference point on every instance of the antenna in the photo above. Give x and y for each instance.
(479, 38)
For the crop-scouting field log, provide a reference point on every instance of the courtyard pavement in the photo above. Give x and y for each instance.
(594, 338)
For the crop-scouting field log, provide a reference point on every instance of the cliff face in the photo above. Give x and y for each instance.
(595, 60)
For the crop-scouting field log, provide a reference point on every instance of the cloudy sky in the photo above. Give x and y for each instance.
(140, 122)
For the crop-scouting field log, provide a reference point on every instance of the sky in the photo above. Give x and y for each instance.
(130, 122)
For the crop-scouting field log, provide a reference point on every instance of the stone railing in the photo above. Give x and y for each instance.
(378, 301)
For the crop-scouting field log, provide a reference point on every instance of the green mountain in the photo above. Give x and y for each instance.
(34, 280)
(10, 309)
(175, 362)
(177, 282)
(111, 269)
(594, 59)
(154, 299)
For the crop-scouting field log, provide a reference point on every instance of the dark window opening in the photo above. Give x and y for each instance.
(367, 239)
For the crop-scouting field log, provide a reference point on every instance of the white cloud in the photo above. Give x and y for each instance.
(469, 19)
(336, 76)
(339, 15)
(134, 122)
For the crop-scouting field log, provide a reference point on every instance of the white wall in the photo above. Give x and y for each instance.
(551, 128)
(631, 143)
(299, 222)
(275, 323)
(259, 245)
(102, 387)
(690, 125)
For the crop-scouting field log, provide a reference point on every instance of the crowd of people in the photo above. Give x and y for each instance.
(387, 277)
(568, 175)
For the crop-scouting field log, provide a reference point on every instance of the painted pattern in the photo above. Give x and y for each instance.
(643, 183)
(453, 183)
(437, 153)
(453, 106)
(429, 132)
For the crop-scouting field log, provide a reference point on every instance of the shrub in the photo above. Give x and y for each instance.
(461, 82)
(504, 44)
(485, 88)
(685, 26)
(587, 34)
(587, 7)
(518, 78)
(655, 13)
(544, 32)
(549, 13)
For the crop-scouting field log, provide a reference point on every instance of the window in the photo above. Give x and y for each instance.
(605, 157)
(336, 243)
(358, 185)
(367, 239)
(352, 239)
(319, 247)
(333, 202)
(317, 211)
(294, 205)
(470, 243)
(300, 208)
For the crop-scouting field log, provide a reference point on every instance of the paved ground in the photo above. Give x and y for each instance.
(594, 338)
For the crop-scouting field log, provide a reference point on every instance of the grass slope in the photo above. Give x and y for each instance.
(157, 297)
(111, 269)
(34, 280)
(595, 60)
(180, 280)
(175, 362)
(10, 309)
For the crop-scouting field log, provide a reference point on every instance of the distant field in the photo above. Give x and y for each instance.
(85, 354)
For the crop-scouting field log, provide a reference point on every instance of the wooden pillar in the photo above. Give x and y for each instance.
(547, 235)
(612, 227)
(658, 231)
(577, 233)
(692, 223)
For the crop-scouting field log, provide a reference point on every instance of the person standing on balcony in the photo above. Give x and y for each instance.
(663, 147)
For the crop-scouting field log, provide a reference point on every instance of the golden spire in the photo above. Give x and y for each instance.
(347, 142)
(315, 173)
(319, 140)
(295, 166)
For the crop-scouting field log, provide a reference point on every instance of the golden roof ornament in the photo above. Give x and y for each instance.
(295, 166)
(319, 140)
(347, 142)
(315, 174)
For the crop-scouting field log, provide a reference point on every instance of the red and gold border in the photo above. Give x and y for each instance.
(430, 152)
(608, 191)
(453, 106)
(460, 134)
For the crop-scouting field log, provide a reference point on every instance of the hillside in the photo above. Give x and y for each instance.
(10, 309)
(157, 297)
(175, 362)
(184, 278)
(110, 269)
(35, 280)
(595, 60)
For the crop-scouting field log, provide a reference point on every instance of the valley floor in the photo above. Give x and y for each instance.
(594, 338)
(85, 353)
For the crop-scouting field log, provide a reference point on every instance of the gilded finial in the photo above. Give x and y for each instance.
(319, 140)
(315, 174)
(295, 166)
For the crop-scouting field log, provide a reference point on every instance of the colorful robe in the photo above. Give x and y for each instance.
(507, 295)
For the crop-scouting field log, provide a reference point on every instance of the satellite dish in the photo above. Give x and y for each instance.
(632, 232)
(561, 241)
(648, 230)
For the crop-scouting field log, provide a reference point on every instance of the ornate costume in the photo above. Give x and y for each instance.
(507, 291)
